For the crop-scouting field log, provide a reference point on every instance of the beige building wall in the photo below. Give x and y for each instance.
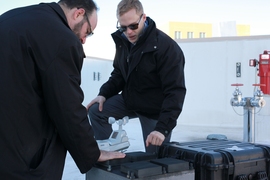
(189, 30)
(243, 30)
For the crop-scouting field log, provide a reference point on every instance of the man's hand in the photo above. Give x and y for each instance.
(98, 99)
(155, 138)
(108, 155)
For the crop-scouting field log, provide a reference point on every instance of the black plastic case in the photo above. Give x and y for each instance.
(130, 157)
(222, 159)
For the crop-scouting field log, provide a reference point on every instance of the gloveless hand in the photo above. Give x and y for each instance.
(155, 138)
(108, 155)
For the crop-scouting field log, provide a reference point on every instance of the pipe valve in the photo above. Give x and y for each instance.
(237, 99)
(257, 100)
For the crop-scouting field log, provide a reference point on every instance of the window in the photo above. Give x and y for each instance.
(189, 35)
(177, 35)
(202, 35)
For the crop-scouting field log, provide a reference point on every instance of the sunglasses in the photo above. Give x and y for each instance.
(131, 26)
(91, 32)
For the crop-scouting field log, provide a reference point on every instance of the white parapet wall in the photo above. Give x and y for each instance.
(262, 123)
(210, 70)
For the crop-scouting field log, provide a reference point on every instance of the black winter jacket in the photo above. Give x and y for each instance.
(41, 111)
(150, 76)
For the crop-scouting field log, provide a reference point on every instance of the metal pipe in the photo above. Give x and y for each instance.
(249, 122)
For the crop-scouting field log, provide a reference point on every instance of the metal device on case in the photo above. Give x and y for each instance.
(118, 140)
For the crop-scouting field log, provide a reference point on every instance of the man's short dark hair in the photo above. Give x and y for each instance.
(88, 5)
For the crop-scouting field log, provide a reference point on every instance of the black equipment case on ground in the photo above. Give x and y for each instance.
(142, 165)
(222, 159)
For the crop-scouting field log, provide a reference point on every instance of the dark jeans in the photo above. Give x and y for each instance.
(115, 107)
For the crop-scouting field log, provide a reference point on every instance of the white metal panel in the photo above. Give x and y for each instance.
(210, 70)
(95, 72)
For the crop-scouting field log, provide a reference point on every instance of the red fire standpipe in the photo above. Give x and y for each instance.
(264, 72)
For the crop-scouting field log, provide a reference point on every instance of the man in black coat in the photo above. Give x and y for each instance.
(41, 111)
(149, 75)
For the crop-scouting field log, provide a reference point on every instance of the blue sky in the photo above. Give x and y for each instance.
(255, 13)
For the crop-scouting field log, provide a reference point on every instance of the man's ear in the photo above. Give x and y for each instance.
(144, 17)
(78, 13)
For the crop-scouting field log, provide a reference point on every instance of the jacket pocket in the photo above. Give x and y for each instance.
(39, 155)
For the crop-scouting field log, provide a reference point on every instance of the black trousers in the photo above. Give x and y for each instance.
(115, 107)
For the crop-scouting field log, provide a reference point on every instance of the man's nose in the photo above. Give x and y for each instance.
(83, 40)
(129, 30)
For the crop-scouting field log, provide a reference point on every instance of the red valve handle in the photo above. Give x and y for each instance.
(237, 84)
(258, 84)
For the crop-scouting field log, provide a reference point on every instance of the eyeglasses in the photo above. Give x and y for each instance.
(91, 31)
(131, 26)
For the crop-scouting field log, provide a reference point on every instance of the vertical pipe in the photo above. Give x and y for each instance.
(246, 124)
(252, 125)
(249, 122)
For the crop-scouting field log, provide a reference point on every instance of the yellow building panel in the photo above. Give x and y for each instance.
(243, 30)
(185, 30)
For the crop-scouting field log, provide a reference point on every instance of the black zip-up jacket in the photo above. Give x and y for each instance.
(41, 111)
(150, 76)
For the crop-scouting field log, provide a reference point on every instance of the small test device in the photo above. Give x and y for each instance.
(118, 140)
